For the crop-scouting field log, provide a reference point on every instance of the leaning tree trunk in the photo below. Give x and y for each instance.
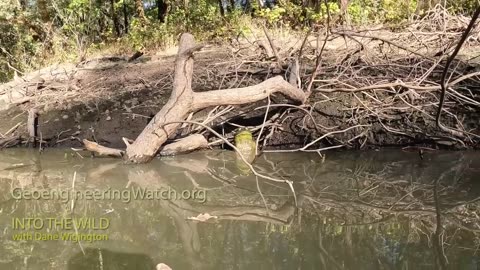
(125, 16)
(184, 101)
(177, 108)
(162, 8)
(220, 6)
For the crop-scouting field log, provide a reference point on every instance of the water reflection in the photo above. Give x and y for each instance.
(355, 210)
(104, 259)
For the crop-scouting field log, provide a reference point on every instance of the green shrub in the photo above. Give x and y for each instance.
(19, 48)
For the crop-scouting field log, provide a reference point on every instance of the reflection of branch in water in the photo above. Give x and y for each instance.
(190, 177)
(261, 194)
(248, 213)
(363, 207)
(441, 259)
(248, 164)
(98, 171)
(198, 165)
(187, 231)
(180, 210)
(323, 251)
(413, 201)
(274, 168)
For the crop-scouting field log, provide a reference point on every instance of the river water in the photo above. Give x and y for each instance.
(386, 209)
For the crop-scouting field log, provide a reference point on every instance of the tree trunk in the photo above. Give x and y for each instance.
(344, 11)
(318, 6)
(116, 23)
(125, 16)
(222, 10)
(162, 8)
(155, 133)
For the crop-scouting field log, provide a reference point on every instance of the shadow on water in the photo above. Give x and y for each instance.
(108, 260)
(354, 210)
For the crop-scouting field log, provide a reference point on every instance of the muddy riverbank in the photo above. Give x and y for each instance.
(364, 94)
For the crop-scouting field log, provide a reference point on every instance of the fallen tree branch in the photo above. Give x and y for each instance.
(386, 41)
(401, 84)
(102, 150)
(305, 148)
(184, 101)
(11, 130)
(6, 142)
(185, 145)
(237, 96)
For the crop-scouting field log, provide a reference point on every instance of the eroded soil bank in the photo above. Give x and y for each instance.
(371, 89)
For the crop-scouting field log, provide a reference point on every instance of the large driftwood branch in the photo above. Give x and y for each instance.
(184, 101)
(237, 96)
(185, 145)
(102, 150)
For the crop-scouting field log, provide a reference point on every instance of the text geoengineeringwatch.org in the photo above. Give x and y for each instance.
(125, 195)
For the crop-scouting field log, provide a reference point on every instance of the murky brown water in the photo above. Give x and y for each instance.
(355, 210)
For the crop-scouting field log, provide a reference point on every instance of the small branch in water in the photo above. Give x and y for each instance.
(102, 150)
(32, 126)
(263, 126)
(72, 205)
(290, 184)
(185, 145)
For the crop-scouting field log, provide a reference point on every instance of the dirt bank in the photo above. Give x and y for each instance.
(371, 89)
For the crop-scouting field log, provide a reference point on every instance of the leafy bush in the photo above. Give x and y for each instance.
(385, 11)
(18, 45)
(271, 15)
(462, 6)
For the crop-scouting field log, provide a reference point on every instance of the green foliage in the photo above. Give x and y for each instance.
(333, 9)
(291, 14)
(150, 32)
(385, 11)
(363, 11)
(397, 11)
(203, 20)
(236, 24)
(78, 27)
(18, 45)
(81, 22)
(462, 6)
(271, 15)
